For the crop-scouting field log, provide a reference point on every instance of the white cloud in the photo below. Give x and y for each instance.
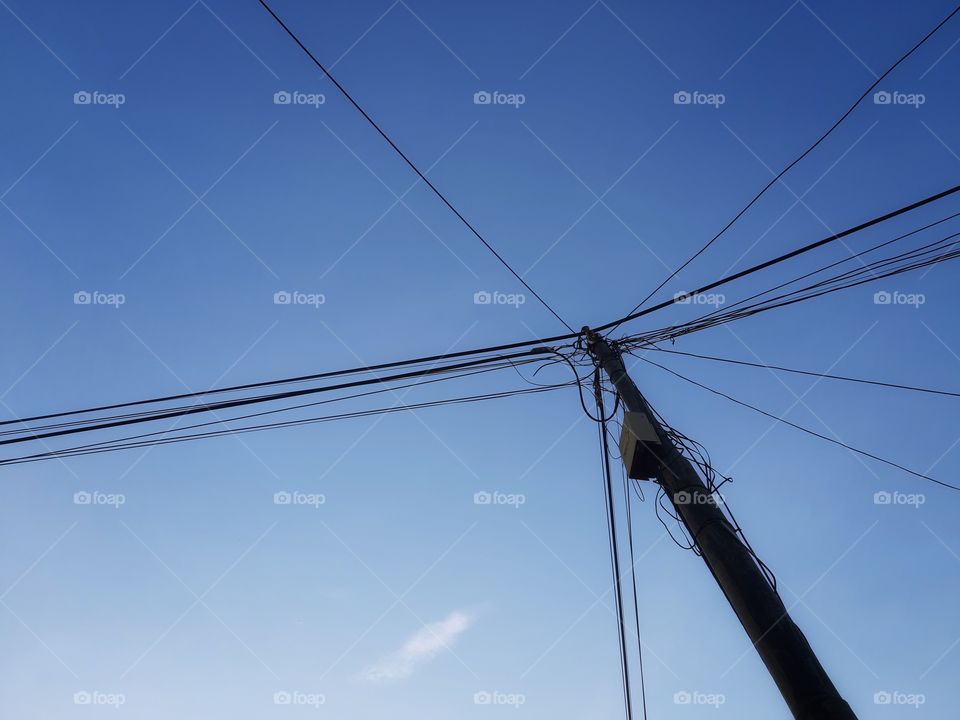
(420, 647)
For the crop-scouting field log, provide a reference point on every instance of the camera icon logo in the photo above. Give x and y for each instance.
(682, 498)
(482, 97)
(282, 97)
(882, 498)
(82, 97)
(282, 498)
(882, 297)
(482, 298)
(282, 697)
(682, 698)
(482, 498)
(82, 498)
(882, 97)
(682, 97)
(482, 698)
(82, 298)
(282, 297)
(82, 698)
(882, 698)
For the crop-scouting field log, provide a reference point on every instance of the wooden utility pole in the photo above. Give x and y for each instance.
(804, 684)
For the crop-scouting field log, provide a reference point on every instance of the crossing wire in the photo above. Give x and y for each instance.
(800, 157)
(808, 373)
(410, 162)
(808, 431)
(542, 342)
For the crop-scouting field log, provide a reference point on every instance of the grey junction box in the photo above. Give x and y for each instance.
(639, 446)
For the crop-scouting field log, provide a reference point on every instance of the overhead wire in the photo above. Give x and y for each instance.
(808, 373)
(240, 402)
(785, 170)
(532, 345)
(806, 430)
(75, 452)
(409, 162)
(614, 544)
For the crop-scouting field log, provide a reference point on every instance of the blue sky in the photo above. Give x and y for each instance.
(185, 190)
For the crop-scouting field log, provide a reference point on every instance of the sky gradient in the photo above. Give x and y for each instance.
(187, 196)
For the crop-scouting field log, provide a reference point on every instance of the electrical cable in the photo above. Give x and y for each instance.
(485, 350)
(858, 451)
(409, 162)
(808, 373)
(800, 157)
(76, 452)
(614, 550)
(240, 402)
(781, 258)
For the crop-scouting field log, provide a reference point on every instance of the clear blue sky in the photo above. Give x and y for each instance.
(198, 198)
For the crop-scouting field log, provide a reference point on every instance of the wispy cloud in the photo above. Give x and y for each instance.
(420, 647)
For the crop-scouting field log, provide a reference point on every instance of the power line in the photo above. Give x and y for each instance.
(614, 549)
(870, 455)
(808, 373)
(542, 342)
(797, 160)
(290, 408)
(409, 162)
(79, 451)
(240, 402)
(825, 287)
(783, 258)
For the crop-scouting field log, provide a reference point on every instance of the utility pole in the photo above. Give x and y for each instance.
(804, 684)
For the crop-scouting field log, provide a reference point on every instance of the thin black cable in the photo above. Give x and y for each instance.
(77, 452)
(343, 398)
(803, 429)
(798, 159)
(633, 578)
(808, 373)
(614, 551)
(781, 258)
(493, 348)
(409, 162)
(256, 399)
